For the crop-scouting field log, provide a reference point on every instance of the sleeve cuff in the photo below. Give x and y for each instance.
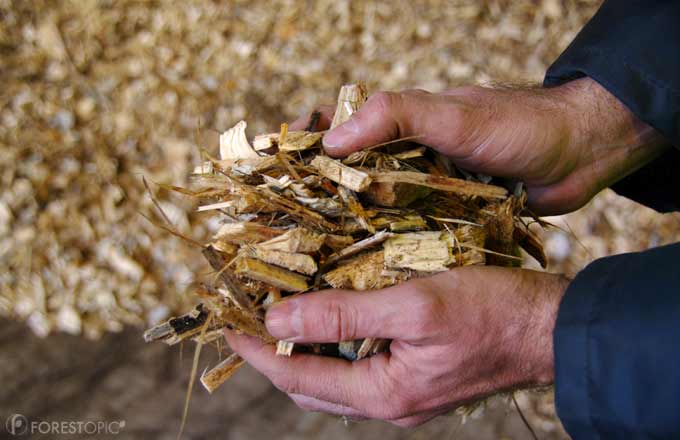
(571, 342)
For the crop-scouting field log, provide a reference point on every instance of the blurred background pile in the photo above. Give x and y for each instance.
(97, 94)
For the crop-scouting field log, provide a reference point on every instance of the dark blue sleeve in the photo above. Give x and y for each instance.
(632, 48)
(617, 336)
(617, 348)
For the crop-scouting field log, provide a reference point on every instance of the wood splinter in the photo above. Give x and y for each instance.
(216, 376)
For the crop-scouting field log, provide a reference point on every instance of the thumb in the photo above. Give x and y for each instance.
(387, 116)
(341, 315)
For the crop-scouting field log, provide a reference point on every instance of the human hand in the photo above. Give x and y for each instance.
(456, 337)
(565, 143)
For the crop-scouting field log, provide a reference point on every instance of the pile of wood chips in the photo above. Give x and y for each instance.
(296, 221)
(96, 94)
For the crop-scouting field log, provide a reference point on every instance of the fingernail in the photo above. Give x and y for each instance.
(284, 320)
(341, 135)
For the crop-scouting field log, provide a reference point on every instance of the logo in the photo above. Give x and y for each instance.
(16, 424)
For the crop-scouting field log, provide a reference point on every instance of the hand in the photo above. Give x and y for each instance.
(566, 143)
(456, 337)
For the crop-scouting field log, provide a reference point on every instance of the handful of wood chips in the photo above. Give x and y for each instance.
(295, 221)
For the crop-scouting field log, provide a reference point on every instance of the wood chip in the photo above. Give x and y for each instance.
(395, 194)
(351, 178)
(295, 141)
(421, 251)
(296, 262)
(364, 272)
(449, 184)
(220, 373)
(245, 233)
(284, 348)
(296, 240)
(234, 144)
(351, 97)
(359, 246)
(269, 274)
(356, 209)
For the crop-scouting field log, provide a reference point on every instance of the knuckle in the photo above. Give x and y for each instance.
(384, 102)
(338, 320)
(427, 313)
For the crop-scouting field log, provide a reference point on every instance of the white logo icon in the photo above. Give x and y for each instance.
(16, 424)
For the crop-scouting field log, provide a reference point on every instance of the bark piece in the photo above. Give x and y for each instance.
(174, 327)
(187, 326)
(332, 169)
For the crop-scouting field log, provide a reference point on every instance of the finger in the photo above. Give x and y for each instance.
(325, 118)
(387, 116)
(311, 404)
(351, 384)
(339, 315)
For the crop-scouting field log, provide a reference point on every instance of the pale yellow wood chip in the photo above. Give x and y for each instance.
(234, 144)
(351, 178)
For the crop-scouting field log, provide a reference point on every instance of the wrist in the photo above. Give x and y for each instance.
(537, 358)
(609, 141)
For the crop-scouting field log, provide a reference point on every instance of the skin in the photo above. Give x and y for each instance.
(473, 331)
